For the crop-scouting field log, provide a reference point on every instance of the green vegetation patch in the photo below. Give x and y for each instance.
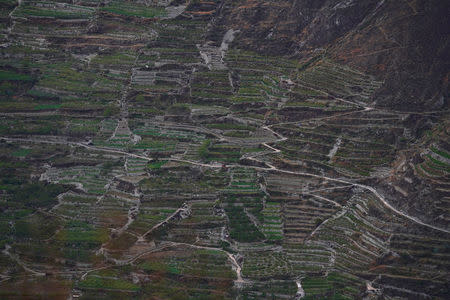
(133, 9)
(241, 228)
(440, 152)
(334, 286)
(21, 152)
(76, 232)
(156, 165)
(53, 10)
(220, 153)
(117, 58)
(35, 227)
(96, 282)
(47, 106)
(37, 195)
(14, 76)
(198, 263)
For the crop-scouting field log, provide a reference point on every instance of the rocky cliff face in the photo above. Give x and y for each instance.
(404, 43)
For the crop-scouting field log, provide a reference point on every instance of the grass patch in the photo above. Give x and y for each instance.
(156, 165)
(134, 10)
(47, 106)
(77, 232)
(441, 153)
(21, 152)
(58, 12)
(241, 228)
(13, 76)
(108, 284)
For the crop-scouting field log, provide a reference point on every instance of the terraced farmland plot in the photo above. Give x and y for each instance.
(205, 226)
(123, 8)
(50, 9)
(354, 146)
(89, 179)
(149, 150)
(339, 81)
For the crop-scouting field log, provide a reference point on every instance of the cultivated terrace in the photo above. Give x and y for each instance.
(145, 154)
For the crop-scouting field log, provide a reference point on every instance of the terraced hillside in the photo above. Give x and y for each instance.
(147, 151)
